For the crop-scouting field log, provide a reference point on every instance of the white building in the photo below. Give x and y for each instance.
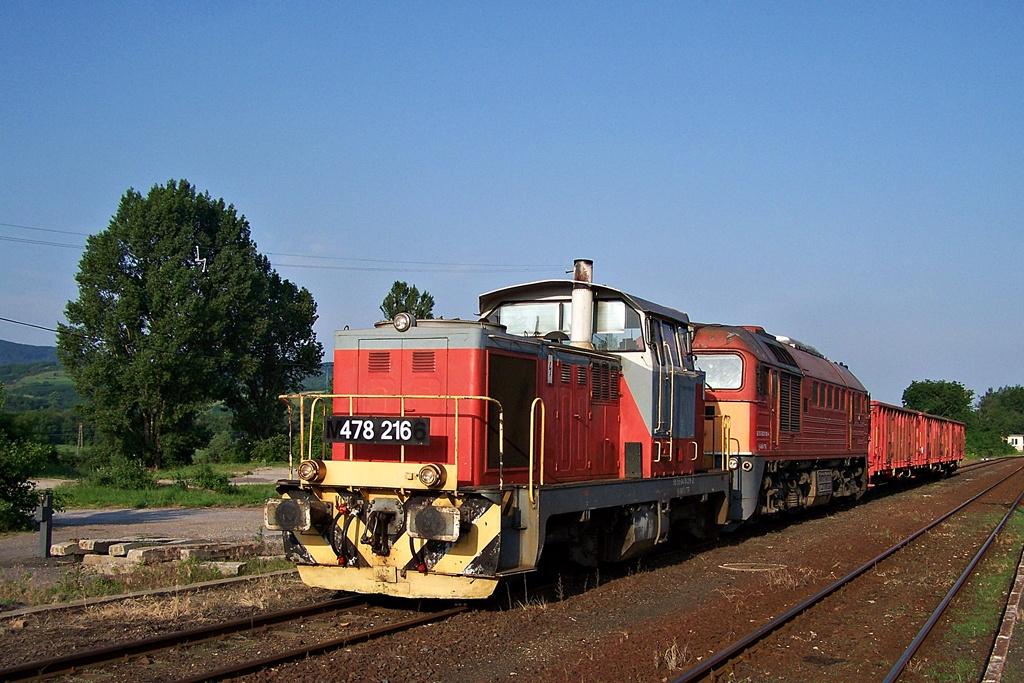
(1017, 441)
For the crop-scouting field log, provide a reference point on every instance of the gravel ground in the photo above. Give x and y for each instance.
(651, 622)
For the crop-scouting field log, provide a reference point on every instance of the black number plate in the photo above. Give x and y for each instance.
(403, 431)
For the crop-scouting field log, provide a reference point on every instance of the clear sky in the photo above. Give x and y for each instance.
(848, 174)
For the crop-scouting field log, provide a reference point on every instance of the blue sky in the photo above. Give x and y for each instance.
(847, 174)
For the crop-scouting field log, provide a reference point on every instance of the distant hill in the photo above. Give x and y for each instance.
(18, 354)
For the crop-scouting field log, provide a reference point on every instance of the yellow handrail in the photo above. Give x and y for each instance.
(533, 432)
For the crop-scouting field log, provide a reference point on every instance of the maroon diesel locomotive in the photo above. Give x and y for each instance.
(569, 416)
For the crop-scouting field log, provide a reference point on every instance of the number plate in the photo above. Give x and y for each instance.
(403, 431)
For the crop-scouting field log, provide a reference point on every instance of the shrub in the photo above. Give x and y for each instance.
(222, 448)
(18, 461)
(122, 473)
(274, 449)
(206, 478)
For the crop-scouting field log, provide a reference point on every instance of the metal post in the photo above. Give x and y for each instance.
(45, 515)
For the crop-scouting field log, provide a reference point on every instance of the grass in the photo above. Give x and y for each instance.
(976, 612)
(86, 495)
(77, 582)
(181, 487)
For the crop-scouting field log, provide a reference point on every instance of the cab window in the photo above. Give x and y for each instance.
(617, 327)
(721, 370)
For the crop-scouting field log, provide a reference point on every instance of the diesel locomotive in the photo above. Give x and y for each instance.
(568, 417)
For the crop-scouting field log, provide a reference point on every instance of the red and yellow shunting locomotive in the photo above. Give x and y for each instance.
(571, 417)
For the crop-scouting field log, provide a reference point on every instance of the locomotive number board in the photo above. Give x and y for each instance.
(401, 431)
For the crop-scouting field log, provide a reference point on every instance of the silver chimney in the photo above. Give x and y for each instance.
(582, 326)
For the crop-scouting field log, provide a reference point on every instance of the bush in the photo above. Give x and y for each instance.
(222, 448)
(19, 460)
(122, 473)
(206, 478)
(274, 449)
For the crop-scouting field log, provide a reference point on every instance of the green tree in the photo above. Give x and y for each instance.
(405, 299)
(942, 398)
(176, 309)
(19, 460)
(1002, 412)
(278, 352)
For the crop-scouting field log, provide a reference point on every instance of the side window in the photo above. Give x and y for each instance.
(657, 349)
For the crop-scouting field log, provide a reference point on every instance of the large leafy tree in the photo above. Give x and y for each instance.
(177, 309)
(405, 299)
(939, 397)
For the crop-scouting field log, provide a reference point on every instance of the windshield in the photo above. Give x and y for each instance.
(721, 370)
(535, 319)
(616, 325)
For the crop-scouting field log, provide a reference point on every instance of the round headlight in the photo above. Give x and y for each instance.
(403, 321)
(431, 476)
(734, 463)
(312, 470)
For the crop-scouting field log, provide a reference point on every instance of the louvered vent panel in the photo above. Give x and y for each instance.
(379, 361)
(566, 373)
(423, 361)
(581, 374)
(789, 402)
(605, 383)
(782, 355)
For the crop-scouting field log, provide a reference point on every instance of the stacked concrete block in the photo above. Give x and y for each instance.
(122, 554)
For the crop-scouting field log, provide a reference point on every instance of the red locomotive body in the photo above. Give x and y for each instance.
(794, 423)
(905, 443)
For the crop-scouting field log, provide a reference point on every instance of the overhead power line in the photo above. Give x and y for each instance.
(45, 244)
(385, 265)
(18, 322)
(29, 227)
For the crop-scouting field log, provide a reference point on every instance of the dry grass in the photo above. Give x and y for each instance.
(791, 578)
(673, 657)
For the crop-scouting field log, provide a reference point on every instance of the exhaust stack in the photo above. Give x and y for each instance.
(581, 328)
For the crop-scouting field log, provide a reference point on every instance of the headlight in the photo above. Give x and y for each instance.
(403, 321)
(734, 463)
(431, 476)
(312, 470)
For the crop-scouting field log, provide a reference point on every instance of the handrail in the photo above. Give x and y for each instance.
(288, 398)
(671, 393)
(726, 439)
(533, 432)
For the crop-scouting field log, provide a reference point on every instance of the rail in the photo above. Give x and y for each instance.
(320, 399)
(723, 656)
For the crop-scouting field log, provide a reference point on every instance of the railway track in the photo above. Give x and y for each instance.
(147, 650)
(746, 651)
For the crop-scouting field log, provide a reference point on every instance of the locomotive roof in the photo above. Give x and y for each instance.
(811, 362)
(544, 290)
